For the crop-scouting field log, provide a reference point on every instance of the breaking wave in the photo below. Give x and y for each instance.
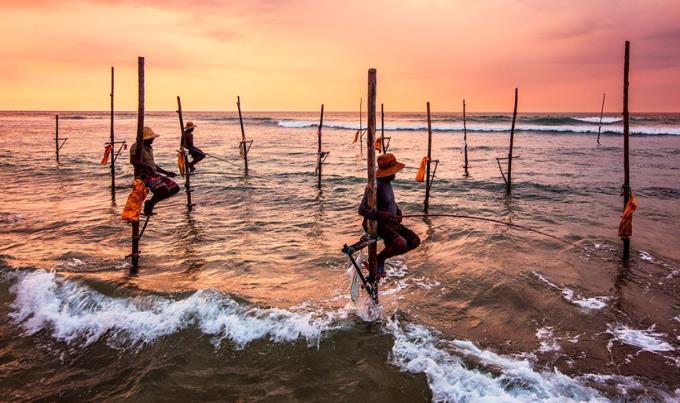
(73, 313)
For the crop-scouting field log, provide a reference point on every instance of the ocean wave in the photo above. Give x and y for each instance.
(564, 129)
(594, 303)
(417, 350)
(73, 313)
(648, 340)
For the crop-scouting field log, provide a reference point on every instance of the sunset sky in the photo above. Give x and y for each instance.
(295, 54)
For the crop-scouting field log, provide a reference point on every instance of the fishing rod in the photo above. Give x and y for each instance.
(470, 217)
(223, 160)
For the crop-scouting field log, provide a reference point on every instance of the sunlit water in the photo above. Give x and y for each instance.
(246, 297)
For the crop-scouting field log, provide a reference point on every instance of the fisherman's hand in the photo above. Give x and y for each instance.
(384, 216)
(399, 216)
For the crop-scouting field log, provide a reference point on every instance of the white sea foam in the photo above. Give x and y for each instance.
(546, 337)
(648, 340)
(594, 303)
(596, 119)
(417, 350)
(492, 128)
(74, 313)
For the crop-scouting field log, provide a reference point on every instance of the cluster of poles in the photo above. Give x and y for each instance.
(371, 144)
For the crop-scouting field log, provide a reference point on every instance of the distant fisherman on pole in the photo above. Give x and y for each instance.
(146, 169)
(398, 239)
(196, 153)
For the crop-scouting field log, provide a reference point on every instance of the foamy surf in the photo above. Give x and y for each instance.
(74, 313)
(592, 303)
(496, 378)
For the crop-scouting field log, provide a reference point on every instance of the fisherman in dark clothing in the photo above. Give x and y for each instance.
(196, 153)
(146, 169)
(398, 239)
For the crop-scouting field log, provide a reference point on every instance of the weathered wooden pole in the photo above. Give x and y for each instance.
(626, 135)
(138, 153)
(599, 128)
(244, 145)
(426, 205)
(372, 185)
(320, 152)
(382, 128)
(185, 155)
(56, 136)
(361, 128)
(465, 147)
(512, 138)
(113, 145)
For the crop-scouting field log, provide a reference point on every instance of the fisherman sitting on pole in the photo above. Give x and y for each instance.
(196, 153)
(147, 170)
(398, 239)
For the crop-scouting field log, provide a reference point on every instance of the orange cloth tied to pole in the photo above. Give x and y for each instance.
(626, 225)
(107, 151)
(420, 176)
(181, 165)
(378, 144)
(356, 136)
(133, 206)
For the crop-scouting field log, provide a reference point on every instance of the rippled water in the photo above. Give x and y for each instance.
(246, 297)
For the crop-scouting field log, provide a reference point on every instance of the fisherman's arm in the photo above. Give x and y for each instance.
(372, 213)
(164, 172)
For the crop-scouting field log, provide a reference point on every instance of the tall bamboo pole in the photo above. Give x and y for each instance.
(319, 156)
(599, 128)
(138, 153)
(56, 135)
(465, 146)
(372, 185)
(113, 145)
(426, 205)
(626, 135)
(182, 148)
(512, 137)
(382, 128)
(243, 134)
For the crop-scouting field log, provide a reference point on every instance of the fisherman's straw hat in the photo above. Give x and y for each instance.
(388, 165)
(149, 134)
(190, 125)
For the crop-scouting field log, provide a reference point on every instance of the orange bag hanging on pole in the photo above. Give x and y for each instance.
(107, 151)
(420, 176)
(378, 144)
(133, 206)
(626, 225)
(356, 136)
(181, 163)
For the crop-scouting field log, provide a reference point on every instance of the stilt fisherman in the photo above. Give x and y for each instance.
(156, 179)
(195, 152)
(398, 239)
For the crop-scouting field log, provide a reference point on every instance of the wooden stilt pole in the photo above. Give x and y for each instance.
(56, 136)
(320, 154)
(382, 128)
(361, 128)
(244, 145)
(626, 134)
(372, 185)
(113, 145)
(512, 138)
(426, 205)
(599, 128)
(185, 155)
(465, 147)
(138, 153)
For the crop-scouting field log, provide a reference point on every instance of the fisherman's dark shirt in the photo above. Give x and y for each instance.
(189, 140)
(386, 201)
(147, 159)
